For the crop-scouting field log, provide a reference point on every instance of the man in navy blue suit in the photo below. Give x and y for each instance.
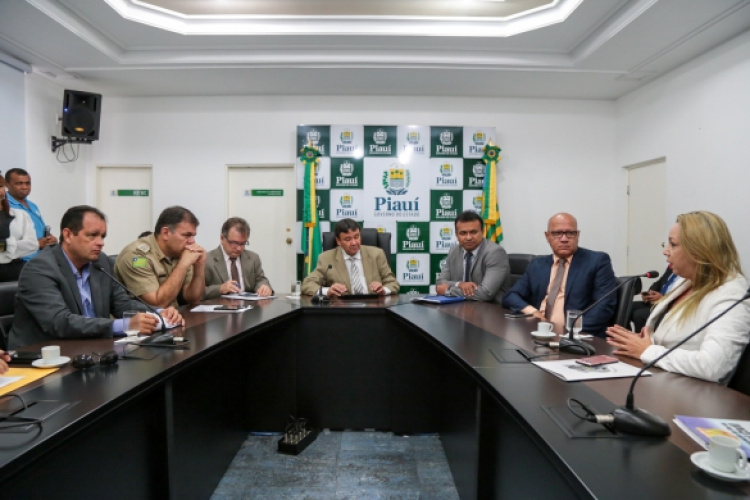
(570, 278)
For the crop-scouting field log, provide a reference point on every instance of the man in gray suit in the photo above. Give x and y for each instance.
(476, 269)
(351, 268)
(63, 292)
(232, 269)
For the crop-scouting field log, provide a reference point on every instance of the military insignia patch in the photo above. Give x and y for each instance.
(139, 262)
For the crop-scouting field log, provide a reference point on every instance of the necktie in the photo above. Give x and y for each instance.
(88, 308)
(355, 278)
(665, 288)
(467, 269)
(233, 268)
(555, 288)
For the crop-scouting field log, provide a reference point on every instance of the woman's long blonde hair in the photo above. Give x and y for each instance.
(705, 238)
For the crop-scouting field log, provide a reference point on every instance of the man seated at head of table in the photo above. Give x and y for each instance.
(64, 293)
(476, 268)
(160, 266)
(571, 278)
(700, 250)
(351, 267)
(231, 268)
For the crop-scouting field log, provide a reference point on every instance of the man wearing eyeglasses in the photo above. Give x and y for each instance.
(166, 264)
(570, 278)
(231, 268)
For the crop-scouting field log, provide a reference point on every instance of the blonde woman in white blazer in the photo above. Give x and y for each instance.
(702, 251)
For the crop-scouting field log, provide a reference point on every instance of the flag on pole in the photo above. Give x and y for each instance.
(493, 227)
(311, 242)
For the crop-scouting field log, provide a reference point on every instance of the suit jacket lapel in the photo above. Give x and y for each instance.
(370, 267)
(573, 274)
(101, 302)
(69, 278)
(221, 266)
(341, 269)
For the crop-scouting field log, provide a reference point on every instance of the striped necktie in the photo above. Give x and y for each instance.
(355, 277)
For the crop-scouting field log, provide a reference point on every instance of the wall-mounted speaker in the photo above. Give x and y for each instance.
(81, 113)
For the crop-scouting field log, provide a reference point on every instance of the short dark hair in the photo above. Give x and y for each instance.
(170, 217)
(344, 226)
(73, 218)
(12, 171)
(468, 216)
(241, 224)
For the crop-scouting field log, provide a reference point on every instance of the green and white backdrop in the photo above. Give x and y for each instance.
(411, 181)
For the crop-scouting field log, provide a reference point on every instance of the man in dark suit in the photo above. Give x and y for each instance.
(475, 268)
(659, 288)
(351, 267)
(570, 278)
(61, 295)
(232, 269)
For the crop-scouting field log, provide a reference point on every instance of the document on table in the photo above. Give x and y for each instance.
(217, 309)
(246, 296)
(570, 371)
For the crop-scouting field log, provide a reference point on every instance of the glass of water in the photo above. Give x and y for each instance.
(127, 327)
(296, 288)
(574, 322)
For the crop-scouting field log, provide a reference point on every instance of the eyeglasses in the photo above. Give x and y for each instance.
(83, 361)
(237, 243)
(560, 234)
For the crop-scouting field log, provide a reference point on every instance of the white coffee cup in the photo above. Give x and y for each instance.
(725, 454)
(544, 327)
(50, 354)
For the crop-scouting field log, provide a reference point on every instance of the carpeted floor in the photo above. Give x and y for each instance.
(341, 465)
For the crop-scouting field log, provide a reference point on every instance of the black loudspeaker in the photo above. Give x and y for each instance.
(81, 111)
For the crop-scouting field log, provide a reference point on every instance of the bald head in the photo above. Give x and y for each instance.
(562, 216)
(562, 235)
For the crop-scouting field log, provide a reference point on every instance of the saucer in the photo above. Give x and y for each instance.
(700, 458)
(543, 335)
(39, 363)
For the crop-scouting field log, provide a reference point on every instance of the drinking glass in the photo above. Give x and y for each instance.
(573, 322)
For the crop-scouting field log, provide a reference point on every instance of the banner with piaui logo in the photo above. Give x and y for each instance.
(411, 181)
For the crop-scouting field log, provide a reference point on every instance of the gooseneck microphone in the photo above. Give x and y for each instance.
(572, 346)
(632, 420)
(319, 298)
(164, 337)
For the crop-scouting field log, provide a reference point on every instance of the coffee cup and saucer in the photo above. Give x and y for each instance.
(50, 358)
(544, 331)
(724, 459)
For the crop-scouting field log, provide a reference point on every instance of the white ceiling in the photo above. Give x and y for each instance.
(589, 49)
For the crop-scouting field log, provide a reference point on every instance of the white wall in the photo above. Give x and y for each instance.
(557, 154)
(12, 119)
(698, 116)
(54, 186)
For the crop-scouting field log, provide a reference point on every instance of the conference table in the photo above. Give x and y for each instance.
(167, 424)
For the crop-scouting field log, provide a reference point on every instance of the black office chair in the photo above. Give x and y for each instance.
(8, 291)
(624, 307)
(518, 264)
(370, 236)
(740, 381)
(112, 259)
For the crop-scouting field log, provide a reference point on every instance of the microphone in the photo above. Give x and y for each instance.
(572, 346)
(632, 420)
(319, 298)
(162, 338)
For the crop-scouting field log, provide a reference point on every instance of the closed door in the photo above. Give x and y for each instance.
(124, 194)
(647, 221)
(265, 196)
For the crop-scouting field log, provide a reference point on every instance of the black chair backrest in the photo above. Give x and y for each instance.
(740, 381)
(518, 264)
(8, 291)
(625, 295)
(370, 236)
